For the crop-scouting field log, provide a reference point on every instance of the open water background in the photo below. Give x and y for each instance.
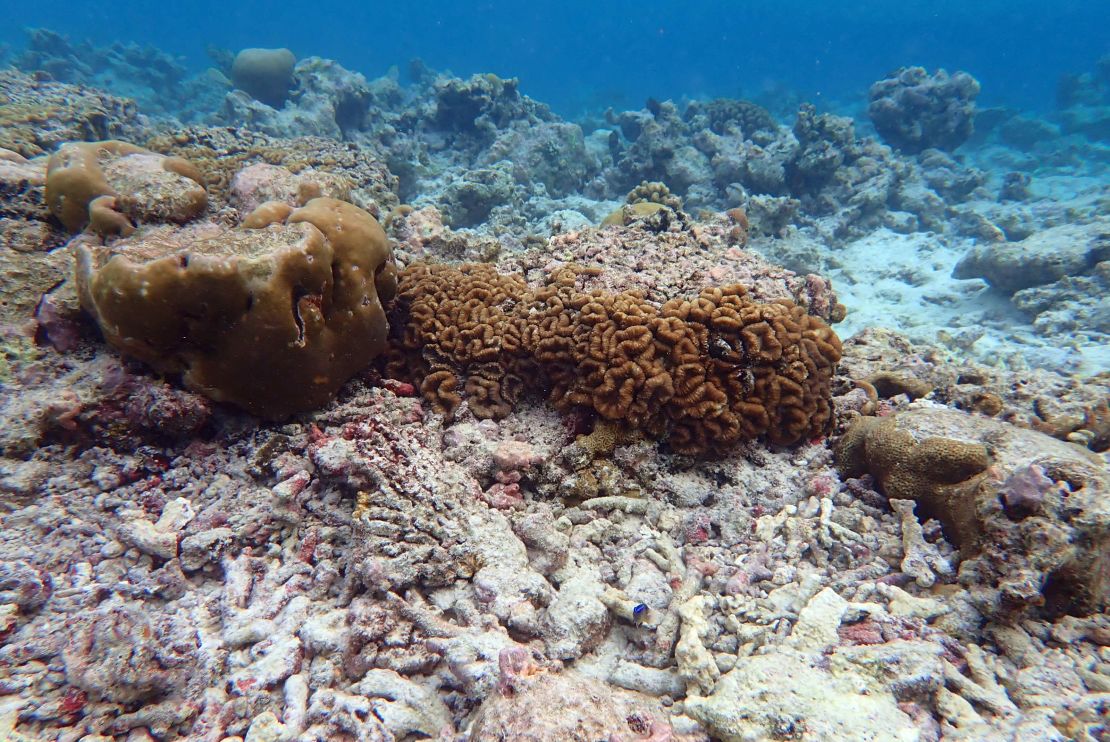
(578, 54)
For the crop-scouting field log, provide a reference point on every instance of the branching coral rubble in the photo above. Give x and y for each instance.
(704, 373)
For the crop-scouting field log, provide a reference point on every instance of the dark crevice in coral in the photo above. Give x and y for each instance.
(298, 294)
(336, 275)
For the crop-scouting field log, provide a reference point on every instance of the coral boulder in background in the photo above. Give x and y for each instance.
(273, 319)
(265, 74)
(913, 110)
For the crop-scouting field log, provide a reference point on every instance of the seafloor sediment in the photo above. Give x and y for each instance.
(533, 534)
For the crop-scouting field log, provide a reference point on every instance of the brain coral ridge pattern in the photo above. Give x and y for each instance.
(704, 373)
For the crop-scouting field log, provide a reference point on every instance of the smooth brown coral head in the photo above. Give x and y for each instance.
(265, 74)
(274, 320)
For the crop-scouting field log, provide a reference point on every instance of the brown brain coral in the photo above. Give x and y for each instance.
(705, 373)
(273, 319)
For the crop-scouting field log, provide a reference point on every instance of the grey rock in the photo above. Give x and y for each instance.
(1040, 259)
(913, 110)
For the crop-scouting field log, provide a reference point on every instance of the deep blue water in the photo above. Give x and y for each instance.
(573, 53)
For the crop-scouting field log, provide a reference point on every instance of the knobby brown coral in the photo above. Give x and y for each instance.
(704, 373)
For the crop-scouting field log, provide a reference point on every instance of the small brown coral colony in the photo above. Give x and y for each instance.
(105, 186)
(705, 373)
(273, 319)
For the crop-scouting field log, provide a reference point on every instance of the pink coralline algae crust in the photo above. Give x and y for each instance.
(534, 705)
(679, 263)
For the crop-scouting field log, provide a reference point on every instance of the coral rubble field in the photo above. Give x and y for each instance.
(345, 409)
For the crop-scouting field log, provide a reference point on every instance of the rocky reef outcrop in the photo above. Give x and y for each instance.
(1027, 511)
(913, 110)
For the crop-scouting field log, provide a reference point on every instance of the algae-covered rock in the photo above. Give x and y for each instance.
(22, 186)
(26, 276)
(37, 113)
(1030, 513)
(274, 320)
(1040, 259)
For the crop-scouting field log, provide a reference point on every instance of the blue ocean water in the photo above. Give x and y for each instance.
(579, 55)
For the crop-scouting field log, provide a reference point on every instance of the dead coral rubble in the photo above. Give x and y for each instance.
(705, 373)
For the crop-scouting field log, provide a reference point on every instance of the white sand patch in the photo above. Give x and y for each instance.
(904, 282)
